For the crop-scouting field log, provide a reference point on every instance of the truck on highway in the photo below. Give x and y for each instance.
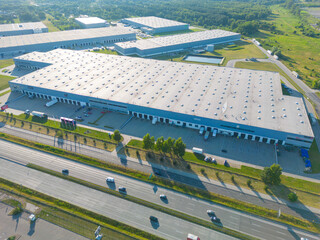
(197, 150)
(192, 237)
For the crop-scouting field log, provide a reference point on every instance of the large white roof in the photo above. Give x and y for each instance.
(176, 39)
(90, 20)
(21, 26)
(30, 39)
(155, 22)
(240, 96)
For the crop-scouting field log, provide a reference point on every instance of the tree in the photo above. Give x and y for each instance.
(165, 147)
(171, 142)
(148, 142)
(271, 175)
(116, 135)
(292, 197)
(179, 147)
(159, 143)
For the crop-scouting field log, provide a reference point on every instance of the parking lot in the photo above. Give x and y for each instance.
(240, 150)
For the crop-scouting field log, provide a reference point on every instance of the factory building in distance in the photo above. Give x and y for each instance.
(91, 22)
(242, 103)
(14, 29)
(174, 43)
(155, 25)
(17, 45)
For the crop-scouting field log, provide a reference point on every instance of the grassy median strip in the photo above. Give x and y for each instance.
(144, 203)
(40, 198)
(180, 187)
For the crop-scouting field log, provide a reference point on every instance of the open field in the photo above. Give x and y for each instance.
(51, 27)
(6, 63)
(301, 53)
(4, 81)
(238, 50)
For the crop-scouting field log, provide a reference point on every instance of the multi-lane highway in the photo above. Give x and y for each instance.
(255, 226)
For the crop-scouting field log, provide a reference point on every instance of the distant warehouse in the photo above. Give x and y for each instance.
(13, 29)
(91, 22)
(159, 45)
(155, 25)
(17, 45)
(242, 103)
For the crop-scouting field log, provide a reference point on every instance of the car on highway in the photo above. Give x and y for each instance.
(153, 219)
(122, 189)
(215, 219)
(162, 196)
(110, 179)
(210, 212)
(65, 171)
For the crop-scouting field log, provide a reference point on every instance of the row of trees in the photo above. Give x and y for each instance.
(170, 145)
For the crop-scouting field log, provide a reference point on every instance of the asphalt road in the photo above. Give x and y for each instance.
(192, 179)
(169, 227)
(258, 227)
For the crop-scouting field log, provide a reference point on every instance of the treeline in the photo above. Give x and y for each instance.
(11, 10)
(303, 26)
(243, 16)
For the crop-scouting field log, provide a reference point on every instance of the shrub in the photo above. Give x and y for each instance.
(188, 166)
(249, 182)
(202, 170)
(266, 188)
(292, 197)
(271, 175)
(232, 178)
(16, 210)
(161, 159)
(149, 155)
(137, 153)
(175, 162)
(217, 174)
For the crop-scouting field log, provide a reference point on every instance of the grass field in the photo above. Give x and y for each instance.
(238, 50)
(314, 158)
(301, 53)
(4, 81)
(106, 51)
(49, 24)
(6, 63)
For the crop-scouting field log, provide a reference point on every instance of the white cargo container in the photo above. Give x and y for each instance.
(197, 150)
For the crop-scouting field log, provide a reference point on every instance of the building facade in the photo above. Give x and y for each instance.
(14, 29)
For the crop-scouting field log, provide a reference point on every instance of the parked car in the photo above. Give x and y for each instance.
(122, 189)
(207, 159)
(65, 171)
(201, 130)
(224, 151)
(206, 136)
(110, 179)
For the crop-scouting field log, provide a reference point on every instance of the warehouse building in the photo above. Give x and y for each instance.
(174, 43)
(91, 22)
(17, 45)
(155, 25)
(13, 29)
(238, 102)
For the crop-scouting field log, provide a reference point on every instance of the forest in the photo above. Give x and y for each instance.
(243, 16)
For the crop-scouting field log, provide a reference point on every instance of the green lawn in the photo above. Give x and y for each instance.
(49, 24)
(301, 53)
(4, 81)
(106, 51)
(238, 50)
(314, 158)
(6, 63)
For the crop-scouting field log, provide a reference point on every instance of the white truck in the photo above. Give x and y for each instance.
(49, 104)
(154, 120)
(197, 150)
(192, 237)
(38, 114)
(214, 133)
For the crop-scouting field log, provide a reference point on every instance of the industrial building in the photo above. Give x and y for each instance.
(13, 29)
(174, 43)
(243, 103)
(17, 45)
(91, 22)
(155, 25)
